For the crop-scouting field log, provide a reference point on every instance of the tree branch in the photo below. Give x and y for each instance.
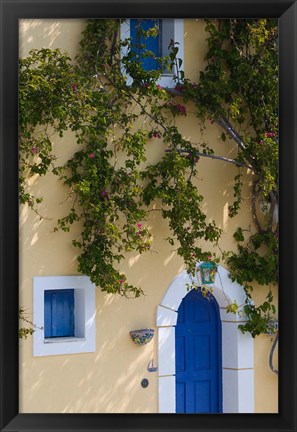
(225, 124)
(222, 158)
(254, 206)
(272, 206)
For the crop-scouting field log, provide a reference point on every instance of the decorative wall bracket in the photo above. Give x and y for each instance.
(151, 367)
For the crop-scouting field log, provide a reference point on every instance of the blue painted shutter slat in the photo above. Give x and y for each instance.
(47, 314)
(151, 43)
(59, 313)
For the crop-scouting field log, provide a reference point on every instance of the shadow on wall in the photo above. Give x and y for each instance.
(109, 379)
(50, 33)
(105, 381)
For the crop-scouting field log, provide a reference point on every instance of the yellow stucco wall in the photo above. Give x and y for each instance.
(109, 379)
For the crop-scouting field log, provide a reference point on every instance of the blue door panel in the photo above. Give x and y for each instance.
(180, 397)
(201, 314)
(151, 43)
(202, 356)
(180, 349)
(203, 404)
(198, 355)
(59, 313)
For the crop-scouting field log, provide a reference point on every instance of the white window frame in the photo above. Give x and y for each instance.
(84, 339)
(176, 29)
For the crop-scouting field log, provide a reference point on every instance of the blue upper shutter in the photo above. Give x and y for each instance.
(59, 313)
(151, 43)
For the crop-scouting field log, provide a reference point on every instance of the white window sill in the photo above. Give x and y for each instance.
(63, 339)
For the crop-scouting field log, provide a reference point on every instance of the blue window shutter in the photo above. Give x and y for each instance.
(151, 43)
(47, 314)
(59, 313)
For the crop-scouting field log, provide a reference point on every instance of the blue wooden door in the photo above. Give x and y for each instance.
(151, 43)
(198, 347)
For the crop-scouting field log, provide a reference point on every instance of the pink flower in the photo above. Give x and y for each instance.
(145, 85)
(209, 257)
(92, 155)
(139, 225)
(139, 232)
(122, 281)
(34, 150)
(156, 134)
(181, 108)
(261, 142)
(179, 87)
(193, 254)
(104, 193)
(269, 134)
(74, 87)
(159, 87)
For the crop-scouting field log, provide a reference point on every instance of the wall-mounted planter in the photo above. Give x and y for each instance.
(208, 272)
(272, 327)
(142, 336)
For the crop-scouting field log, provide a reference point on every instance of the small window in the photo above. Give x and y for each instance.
(64, 313)
(168, 30)
(151, 43)
(58, 313)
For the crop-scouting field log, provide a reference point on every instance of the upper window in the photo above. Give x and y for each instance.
(152, 43)
(157, 43)
(64, 314)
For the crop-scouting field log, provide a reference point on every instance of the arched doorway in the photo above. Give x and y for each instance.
(198, 355)
(237, 348)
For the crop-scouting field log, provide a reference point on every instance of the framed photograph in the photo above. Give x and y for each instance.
(148, 240)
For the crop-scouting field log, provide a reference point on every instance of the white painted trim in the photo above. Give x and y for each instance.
(85, 310)
(166, 317)
(238, 348)
(166, 386)
(165, 80)
(166, 344)
(241, 398)
(176, 292)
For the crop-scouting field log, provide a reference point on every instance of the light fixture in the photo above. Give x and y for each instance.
(208, 272)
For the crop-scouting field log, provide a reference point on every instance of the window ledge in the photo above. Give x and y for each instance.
(63, 339)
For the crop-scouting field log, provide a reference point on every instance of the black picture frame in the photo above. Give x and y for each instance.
(11, 12)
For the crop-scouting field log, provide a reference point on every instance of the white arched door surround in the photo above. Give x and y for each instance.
(237, 348)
